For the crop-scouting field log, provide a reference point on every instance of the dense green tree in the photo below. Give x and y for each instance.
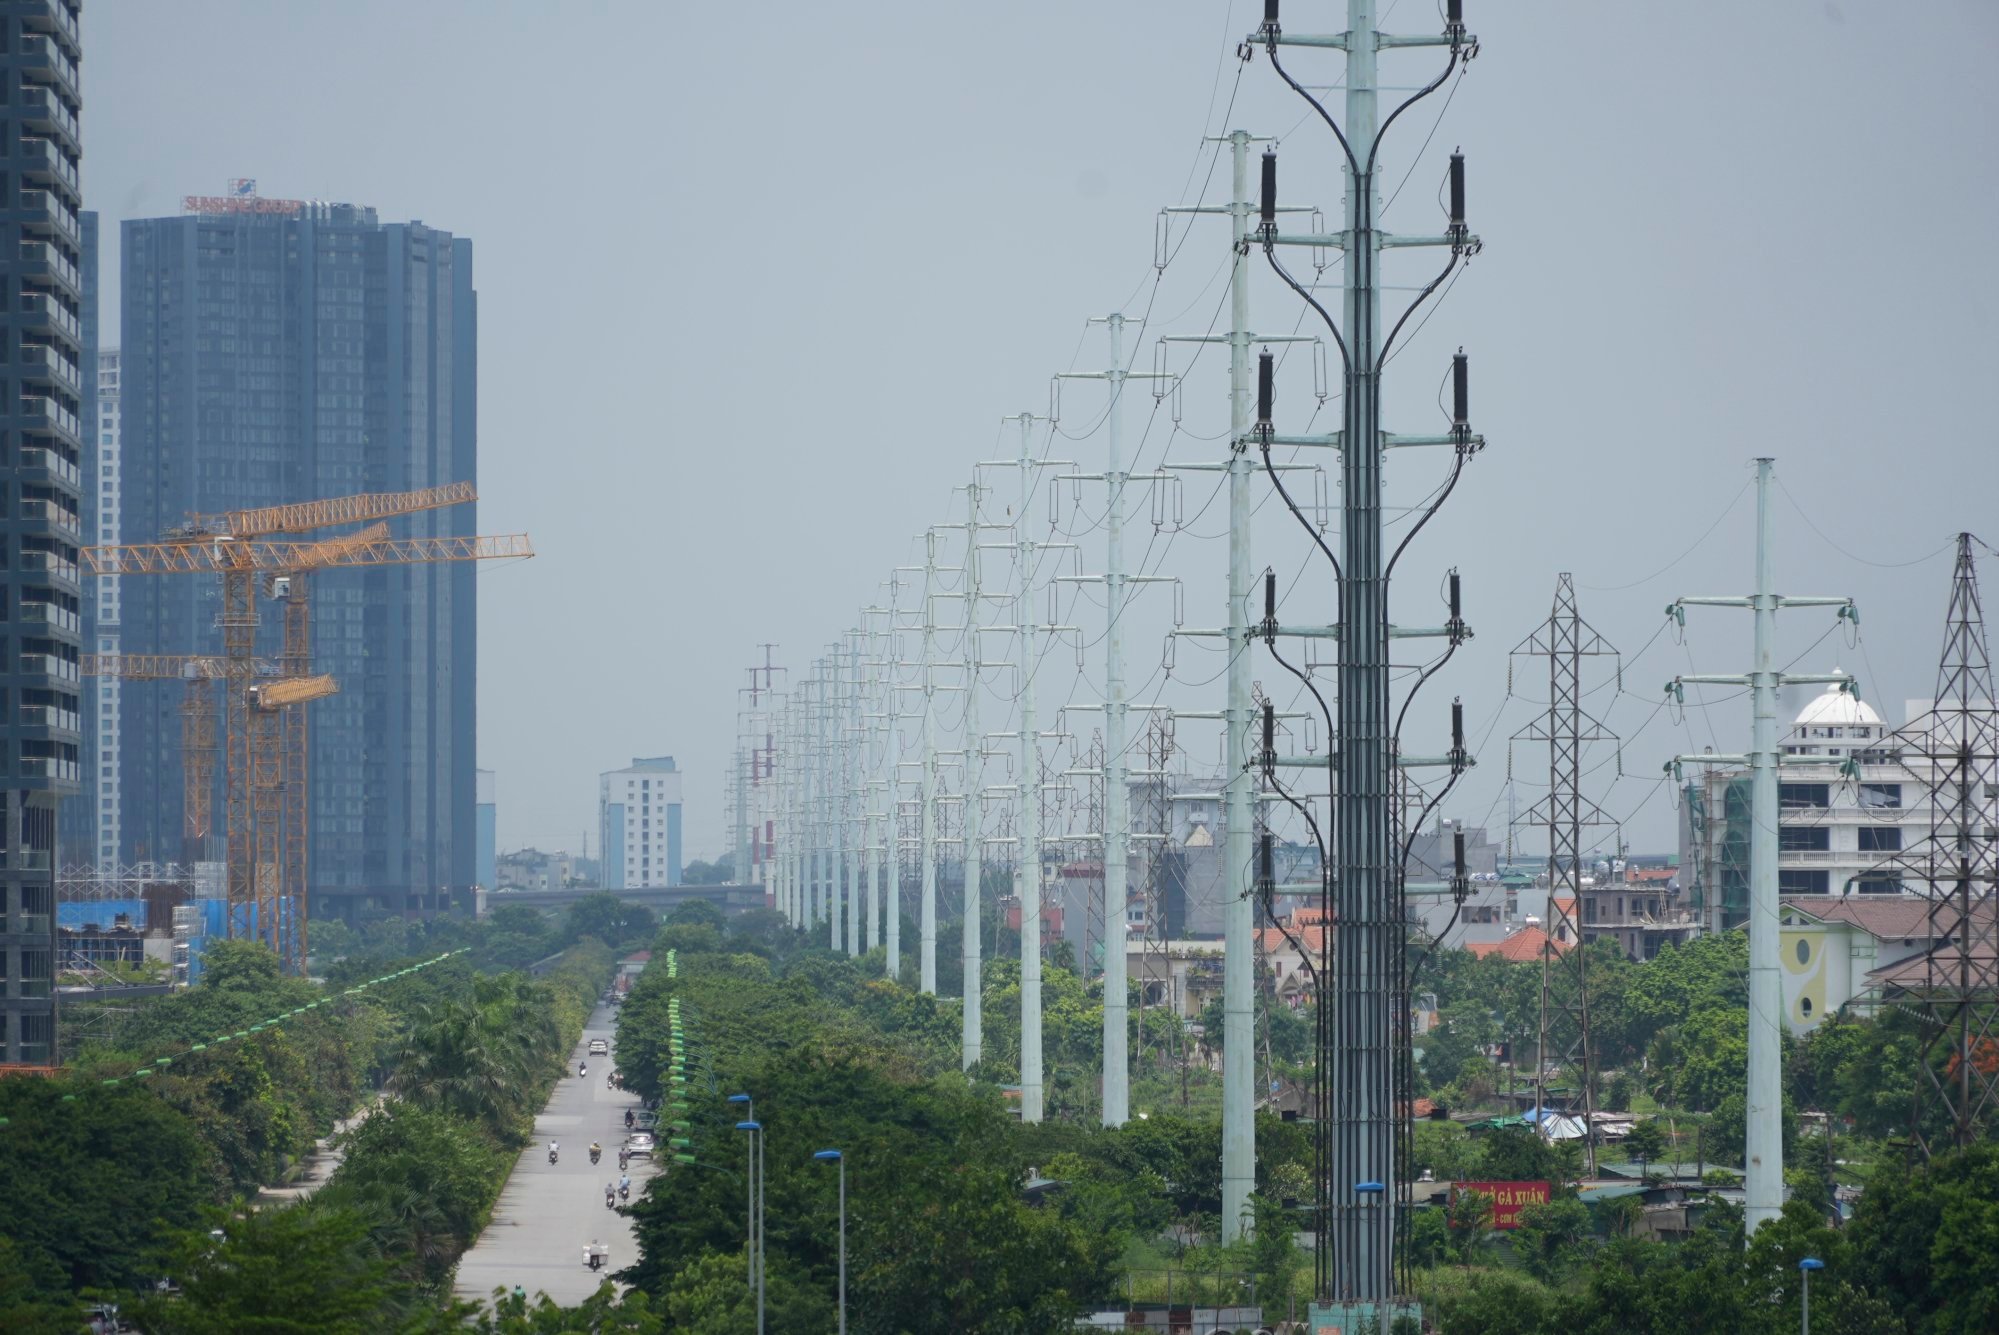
(34, 1297)
(1714, 1063)
(604, 1312)
(1925, 1241)
(1553, 1239)
(424, 1178)
(721, 871)
(1647, 1141)
(90, 1177)
(1517, 1154)
(618, 924)
(300, 1269)
(1467, 1221)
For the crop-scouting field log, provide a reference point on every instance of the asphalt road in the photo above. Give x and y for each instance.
(547, 1213)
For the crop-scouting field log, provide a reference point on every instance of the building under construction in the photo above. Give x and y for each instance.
(279, 351)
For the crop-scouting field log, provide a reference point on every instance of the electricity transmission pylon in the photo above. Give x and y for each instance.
(1763, 1158)
(1366, 1182)
(1029, 629)
(1565, 639)
(1954, 988)
(1114, 833)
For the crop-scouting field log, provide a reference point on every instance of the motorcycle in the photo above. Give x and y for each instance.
(628, 1119)
(624, 1160)
(595, 1154)
(582, 1069)
(625, 1192)
(551, 1156)
(610, 1201)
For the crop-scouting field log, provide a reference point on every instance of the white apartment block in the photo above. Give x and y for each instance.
(1842, 823)
(638, 824)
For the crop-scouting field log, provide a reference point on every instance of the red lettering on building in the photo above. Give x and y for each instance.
(1508, 1198)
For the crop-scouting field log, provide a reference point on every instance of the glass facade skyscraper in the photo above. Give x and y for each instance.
(42, 254)
(282, 350)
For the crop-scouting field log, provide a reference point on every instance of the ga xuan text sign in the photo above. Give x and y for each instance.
(1508, 1198)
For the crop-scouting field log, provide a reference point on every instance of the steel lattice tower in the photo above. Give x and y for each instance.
(1955, 987)
(1565, 640)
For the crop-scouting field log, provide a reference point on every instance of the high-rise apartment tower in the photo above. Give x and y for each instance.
(41, 504)
(280, 350)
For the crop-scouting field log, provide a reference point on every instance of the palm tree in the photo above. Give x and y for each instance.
(452, 1059)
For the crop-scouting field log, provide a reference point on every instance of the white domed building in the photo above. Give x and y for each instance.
(1836, 725)
(1847, 908)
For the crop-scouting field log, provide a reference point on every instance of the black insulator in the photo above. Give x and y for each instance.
(1461, 389)
(1459, 838)
(1458, 190)
(1269, 729)
(1268, 212)
(1266, 387)
(1266, 858)
(1270, 12)
(1454, 12)
(1270, 596)
(1458, 725)
(1457, 605)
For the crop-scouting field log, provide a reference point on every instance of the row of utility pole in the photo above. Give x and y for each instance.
(832, 806)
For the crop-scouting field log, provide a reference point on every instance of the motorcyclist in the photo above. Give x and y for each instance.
(582, 1068)
(624, 1159)
(624, 1188)
(552, 1149)
(628, 1119)
(596, 1151)
(610, 1196)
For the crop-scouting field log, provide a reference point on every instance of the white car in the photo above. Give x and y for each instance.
(599, 1048)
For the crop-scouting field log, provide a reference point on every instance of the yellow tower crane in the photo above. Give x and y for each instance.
(266, 751)
(199, 675)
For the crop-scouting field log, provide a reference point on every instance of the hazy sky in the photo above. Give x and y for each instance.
(756, 283)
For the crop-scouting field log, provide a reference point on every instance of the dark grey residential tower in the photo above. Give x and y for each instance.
(280, 350)
(41, 515)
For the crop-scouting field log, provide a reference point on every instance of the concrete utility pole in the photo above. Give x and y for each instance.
(1238, 913)
(860, 887)
(874, 721)
(891, 768)
(926, 912)
(808, 816)
(1116, 834)
(788, 790)
(1764, 1151)
(971, 1037)
(854, 800)
(824, 839)
(1027, 860)
(836, 826)
(971, 1019)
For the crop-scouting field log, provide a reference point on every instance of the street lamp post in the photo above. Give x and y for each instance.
(834, 1156)
(755, 1222)
(1805, 1268)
